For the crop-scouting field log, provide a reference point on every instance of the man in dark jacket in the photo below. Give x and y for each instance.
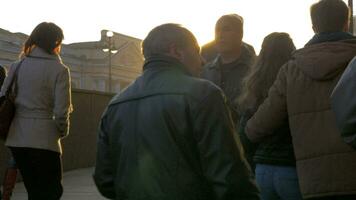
(233, 59)
(301, 93)
(169, 135)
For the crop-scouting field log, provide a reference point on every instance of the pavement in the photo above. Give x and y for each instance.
(77, 184)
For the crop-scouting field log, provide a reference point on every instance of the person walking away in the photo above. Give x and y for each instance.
(43, 105)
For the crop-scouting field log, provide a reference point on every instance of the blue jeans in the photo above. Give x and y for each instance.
(278, 182)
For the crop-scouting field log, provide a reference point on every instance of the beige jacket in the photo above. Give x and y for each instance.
(43, 102)
(326, 165)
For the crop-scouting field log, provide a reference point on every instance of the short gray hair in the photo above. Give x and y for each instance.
(160, 38)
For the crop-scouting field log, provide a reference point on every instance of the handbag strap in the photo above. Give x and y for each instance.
(13, 83)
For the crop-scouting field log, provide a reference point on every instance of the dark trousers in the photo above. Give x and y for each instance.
(41, 171)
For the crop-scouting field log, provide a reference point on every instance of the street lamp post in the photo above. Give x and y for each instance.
(111, 50)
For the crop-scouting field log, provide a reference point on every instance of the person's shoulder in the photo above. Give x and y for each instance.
(249, 48)
(61, 67)
(198, 88)
(353, 62)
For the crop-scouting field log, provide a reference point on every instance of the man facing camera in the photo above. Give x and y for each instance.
(233, 60)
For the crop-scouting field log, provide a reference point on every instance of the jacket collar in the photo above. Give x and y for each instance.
(330, 37)
(244, 59)
(164, 61)
(40, 53)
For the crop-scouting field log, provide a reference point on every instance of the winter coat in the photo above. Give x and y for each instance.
(276, 149)
(301, 93)
(43, 102)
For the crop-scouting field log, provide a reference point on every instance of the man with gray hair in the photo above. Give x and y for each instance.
(169, 135)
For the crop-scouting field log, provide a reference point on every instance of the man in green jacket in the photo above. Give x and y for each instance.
(169, 135)
(232, 61)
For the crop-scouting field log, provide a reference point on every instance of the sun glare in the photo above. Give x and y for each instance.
(137, 17)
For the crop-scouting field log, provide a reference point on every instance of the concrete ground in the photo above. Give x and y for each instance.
(78, 185)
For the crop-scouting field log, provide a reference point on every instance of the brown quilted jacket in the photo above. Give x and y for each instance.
(326, 165)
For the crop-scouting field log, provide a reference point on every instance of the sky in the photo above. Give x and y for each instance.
(82, 20)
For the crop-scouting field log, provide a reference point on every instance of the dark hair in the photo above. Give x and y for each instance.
(329, 15)
(46, 36)
(160, 38)
(233, 18)
(276, 50)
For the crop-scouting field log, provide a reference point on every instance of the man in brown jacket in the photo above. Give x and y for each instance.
(325, 164)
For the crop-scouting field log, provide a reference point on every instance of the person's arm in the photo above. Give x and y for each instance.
(221, 154)
(272, 113)
(104, 172)
(63, 102)
(343, 103)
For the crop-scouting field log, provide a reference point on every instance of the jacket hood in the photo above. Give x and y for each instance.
(325, 60)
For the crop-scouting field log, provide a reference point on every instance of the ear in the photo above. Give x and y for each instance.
(175, 51)
(57, 50)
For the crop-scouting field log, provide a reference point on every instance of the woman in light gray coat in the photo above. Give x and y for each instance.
(43, 105)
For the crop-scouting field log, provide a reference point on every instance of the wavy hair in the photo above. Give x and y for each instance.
(276, 50)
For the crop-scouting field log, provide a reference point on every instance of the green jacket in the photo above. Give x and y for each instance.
(229, 76)
(170, 136)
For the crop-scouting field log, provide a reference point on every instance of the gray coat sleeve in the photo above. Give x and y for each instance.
(63, 102)
(343, 103)
(221, 155)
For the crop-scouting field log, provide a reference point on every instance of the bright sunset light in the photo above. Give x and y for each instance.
(82, 20)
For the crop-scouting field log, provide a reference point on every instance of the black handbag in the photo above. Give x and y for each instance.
(7, 105)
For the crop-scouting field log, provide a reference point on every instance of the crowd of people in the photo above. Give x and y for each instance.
(216, 123)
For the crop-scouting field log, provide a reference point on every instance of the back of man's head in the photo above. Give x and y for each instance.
(329, 16)
(160, 39)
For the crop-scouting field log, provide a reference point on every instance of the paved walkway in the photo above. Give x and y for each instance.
(78, 185)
